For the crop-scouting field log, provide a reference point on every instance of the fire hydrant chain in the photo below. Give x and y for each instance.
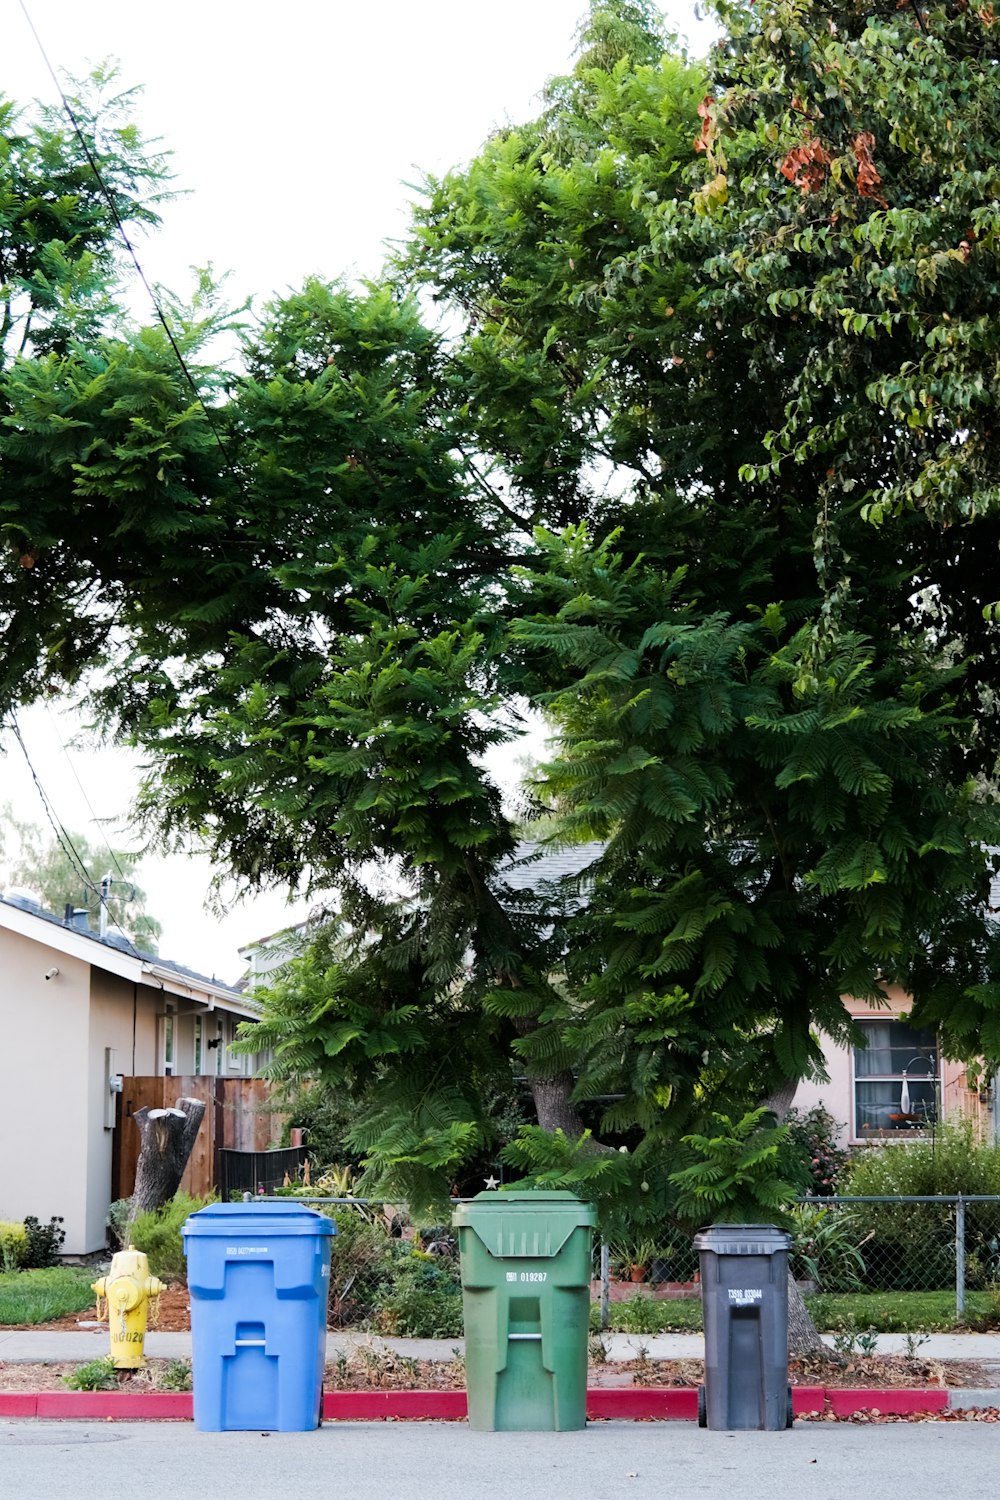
(126, 1292)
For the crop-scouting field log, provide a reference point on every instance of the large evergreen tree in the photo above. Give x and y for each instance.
(700, 467)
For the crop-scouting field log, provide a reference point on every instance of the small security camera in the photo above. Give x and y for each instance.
(51, 973)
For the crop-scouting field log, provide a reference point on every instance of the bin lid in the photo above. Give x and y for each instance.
(273, 1219)
(525, 1223)
(743, 1239)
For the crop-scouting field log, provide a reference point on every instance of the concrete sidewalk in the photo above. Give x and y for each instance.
(23, 1346)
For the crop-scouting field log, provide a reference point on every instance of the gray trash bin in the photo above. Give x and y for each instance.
(744, 1290)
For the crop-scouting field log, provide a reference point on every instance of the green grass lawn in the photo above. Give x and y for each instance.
(38, 1296)
(902, 1312)
(832, 1312)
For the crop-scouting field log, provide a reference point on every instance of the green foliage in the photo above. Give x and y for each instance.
(894, 1312)
(42, 1243)
(117, 1222)
(701, 468)
(39, 1296)
(825, 1248)
(549, 1159)
(912, 1245)
(952, 1160)
(13, 1245)
(325, 1115)
(881, 1312)
(95, 1375)
(174, 1375)
(423, 1300)
(641, 1314)
(734, 1175)
(813, 1138)
(158, 1235)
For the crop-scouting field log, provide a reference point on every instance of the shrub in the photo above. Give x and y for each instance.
(362, 1255)
(42, 1243)
(825, 1247)
(423, 1299)
(117, 1222)
(13, 1246)
(912, 1244)
(814, 1141)
(97, 1375)
(175, 1375)
(158, 1235)
(949, 1161)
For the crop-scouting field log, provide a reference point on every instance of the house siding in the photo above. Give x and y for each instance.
(56, 1106)
(837, 1094)
(44, 1082)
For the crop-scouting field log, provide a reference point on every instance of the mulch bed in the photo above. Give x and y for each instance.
(364, 1369)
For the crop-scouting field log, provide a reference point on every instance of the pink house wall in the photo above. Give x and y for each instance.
(837, 1095)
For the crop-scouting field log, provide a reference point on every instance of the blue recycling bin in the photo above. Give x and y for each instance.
(258, 1275)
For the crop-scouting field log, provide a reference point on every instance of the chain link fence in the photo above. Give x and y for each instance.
(391, 1278)
(947, 1243)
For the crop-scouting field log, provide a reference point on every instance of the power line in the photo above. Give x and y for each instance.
(112, 206)
(62, 837)
(95, 820)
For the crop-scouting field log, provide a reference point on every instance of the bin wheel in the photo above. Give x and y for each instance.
(790, 1417)
(702, 1407)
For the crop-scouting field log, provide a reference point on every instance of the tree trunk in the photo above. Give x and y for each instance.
(779, 1101)
(168, 1136)
(803, 1336)
(553, 1098)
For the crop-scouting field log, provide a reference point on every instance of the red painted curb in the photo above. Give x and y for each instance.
(18, 1404)
(843, 1403)
(808, 1398)
(644, 1404)
(119, 1406)
(634, 1404)
(381, 1406)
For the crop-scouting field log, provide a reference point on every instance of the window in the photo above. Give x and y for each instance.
(168, 1045)
(198, 1045)
(895, 1079)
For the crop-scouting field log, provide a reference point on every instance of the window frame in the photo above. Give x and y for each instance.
(934, 1078)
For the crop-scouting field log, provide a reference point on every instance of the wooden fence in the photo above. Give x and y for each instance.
(237, 1118)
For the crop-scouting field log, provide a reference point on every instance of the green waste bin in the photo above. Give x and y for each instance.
(526, 1299)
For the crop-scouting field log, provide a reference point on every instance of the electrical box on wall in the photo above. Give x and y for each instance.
(114, 1083)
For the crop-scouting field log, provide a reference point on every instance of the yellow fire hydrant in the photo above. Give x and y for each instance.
(128, 1289)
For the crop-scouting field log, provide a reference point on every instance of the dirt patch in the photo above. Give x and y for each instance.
(891, 1371)
(365, 1369)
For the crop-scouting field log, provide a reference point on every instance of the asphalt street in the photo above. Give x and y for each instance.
(159, 1461)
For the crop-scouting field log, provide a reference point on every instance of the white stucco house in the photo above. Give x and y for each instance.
(77, 1012)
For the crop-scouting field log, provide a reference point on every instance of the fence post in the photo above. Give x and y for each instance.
(959, 1256)
(605, 1284)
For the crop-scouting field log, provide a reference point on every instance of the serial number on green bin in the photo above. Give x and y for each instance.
(527, 1275)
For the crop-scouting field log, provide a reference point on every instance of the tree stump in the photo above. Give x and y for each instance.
(167, 1139)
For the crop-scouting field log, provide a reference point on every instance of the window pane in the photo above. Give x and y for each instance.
(879, 1106)
(894, 1046)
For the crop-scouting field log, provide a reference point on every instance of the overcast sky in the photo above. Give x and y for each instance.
(295, 130)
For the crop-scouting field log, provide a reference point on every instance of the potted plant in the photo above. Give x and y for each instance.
(633, 1257)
